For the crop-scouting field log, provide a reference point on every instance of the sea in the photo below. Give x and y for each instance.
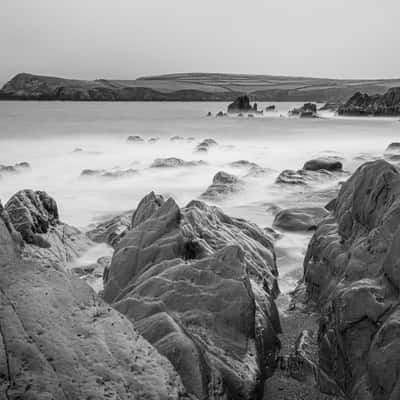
(48, 134)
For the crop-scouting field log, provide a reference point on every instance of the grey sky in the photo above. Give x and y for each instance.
(129, 38)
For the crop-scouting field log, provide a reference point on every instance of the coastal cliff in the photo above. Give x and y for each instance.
(190, 87)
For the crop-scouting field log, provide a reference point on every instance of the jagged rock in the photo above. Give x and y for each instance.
(135, 139)
(102, 173)
(200, 285)
(241, 104)
(222, 185)
(300, 219)
(307, 110)
(327, 163)
(205, 145)
(19, 167)
(34, 214)
(112, 230)
(59, 341)
(172, 162)
(387, 104)
(351, 273)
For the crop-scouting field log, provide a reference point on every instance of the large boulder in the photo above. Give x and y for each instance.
(222, 185)
(241, 104)
(351, 271)
(300, 219)
(59, 341)
(34, 214)
(303, 177)
(200, 286)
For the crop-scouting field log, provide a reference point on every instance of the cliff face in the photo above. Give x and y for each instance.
(387, 104)
(189, 87)
(351, 271)
(200, 286)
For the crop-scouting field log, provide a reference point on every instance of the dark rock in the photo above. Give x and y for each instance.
(241, 104)
(220, 114)
(209, 114)
(222, 185)
(351, 271)
(60, 341)
(331, 205)
(93, 172)
(361, 104)
(173, 162)
(327, 163)
(200, 285)
(153, 139)
(135, 139)
(19, 167)
(330, 106)
(176, 138)
(35, 216)
(302, 177)
(300, 219)
(112, 230)
(307, 110)
(270, 108)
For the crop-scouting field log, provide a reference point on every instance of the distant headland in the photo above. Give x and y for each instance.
(192, 87)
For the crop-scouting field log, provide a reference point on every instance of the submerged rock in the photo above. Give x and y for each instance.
(34, 214)
(153, 139)
(102, 173)
(351, 273)
(302, 177)
(300, 219)
(135, 139)
(222, 185)
(205, 145)
(59, 340)
(19, 167)
(200, 286)
(176, 138)
(172, 162)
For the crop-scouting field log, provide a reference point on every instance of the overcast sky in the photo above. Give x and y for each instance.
(130, 38)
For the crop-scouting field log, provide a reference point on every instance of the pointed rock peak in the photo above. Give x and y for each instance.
(146, 208)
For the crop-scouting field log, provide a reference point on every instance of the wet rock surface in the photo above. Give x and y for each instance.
(241, 104)
(200, 286)
(223, 185)
(59, 340)
(351, 274)
(114, 173)
(300, 219)
(135, 139)
(327, 163)
(205, 145)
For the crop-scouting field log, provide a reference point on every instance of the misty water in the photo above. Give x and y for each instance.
(45, 134)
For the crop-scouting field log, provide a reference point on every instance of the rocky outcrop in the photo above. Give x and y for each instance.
(392, 152)
(34, 214)
(307, 110)
(300, 219)
(103, 173)
(223, 185)
(387, 104)
(241, 104)
(200, 286)
(303, 177)
(351, 273)
(172, 162)
(59, 341)
(112, 230)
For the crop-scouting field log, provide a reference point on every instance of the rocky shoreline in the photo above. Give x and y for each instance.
(190, 299)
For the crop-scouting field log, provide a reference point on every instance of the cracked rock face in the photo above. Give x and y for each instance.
(351, 271)
(34, 214)
(200, 286)
(59, 341)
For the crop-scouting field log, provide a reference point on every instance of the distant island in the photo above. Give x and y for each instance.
(192, 87)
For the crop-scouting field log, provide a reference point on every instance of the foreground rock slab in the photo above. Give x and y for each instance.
(59, 341)
(200, 286)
